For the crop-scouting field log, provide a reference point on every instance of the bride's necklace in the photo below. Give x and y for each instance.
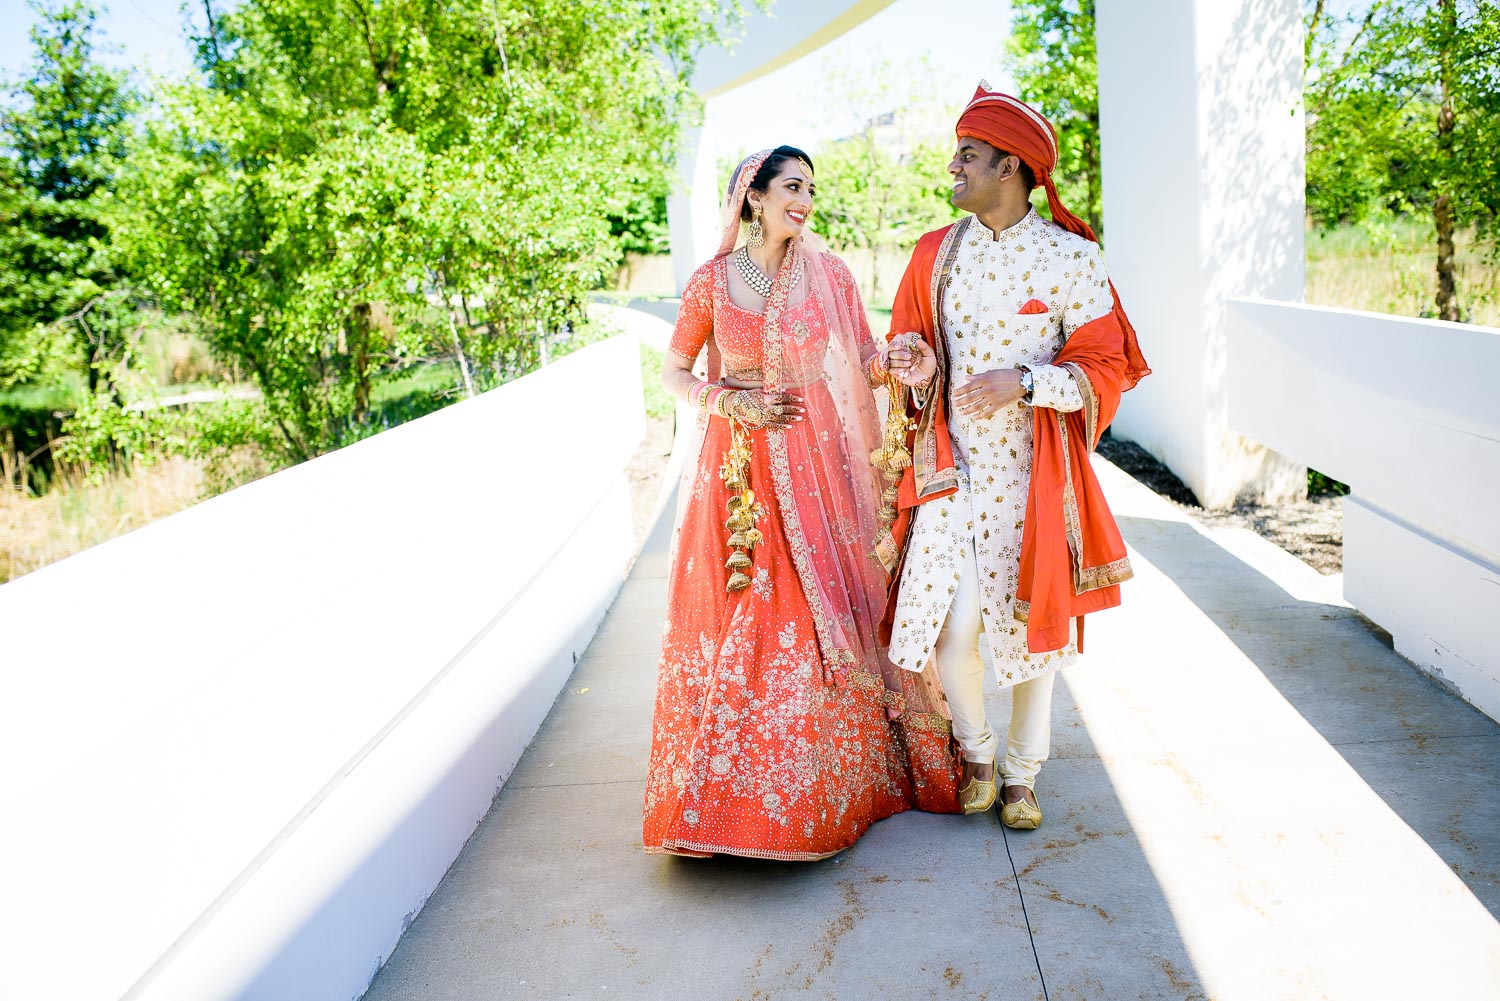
(751, 272)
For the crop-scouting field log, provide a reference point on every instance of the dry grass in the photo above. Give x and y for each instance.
(1390, 267)
(81, 511)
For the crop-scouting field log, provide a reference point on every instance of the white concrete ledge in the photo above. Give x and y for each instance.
(1440, 604)
(1405, 412)
(246, 742)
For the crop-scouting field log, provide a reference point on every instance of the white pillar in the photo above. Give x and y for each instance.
(693, 206)
(1201, 130)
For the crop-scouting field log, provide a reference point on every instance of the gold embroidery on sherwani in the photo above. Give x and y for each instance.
(985, 312)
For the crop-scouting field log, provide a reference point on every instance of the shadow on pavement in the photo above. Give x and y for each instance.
(1433, 758)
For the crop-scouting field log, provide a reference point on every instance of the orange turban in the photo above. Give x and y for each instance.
(1013, 126)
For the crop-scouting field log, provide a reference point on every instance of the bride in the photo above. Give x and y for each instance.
(781, 731)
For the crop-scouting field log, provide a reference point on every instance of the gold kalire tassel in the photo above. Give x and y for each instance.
(743, 511)
(891, 458)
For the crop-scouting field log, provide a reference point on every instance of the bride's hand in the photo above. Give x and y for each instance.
(911, 360)
(759, 408)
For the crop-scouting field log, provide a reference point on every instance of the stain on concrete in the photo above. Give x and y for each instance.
(852, 913)
(1052, 893)
(1188, 990)
(606, 932)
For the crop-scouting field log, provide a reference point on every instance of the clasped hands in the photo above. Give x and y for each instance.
(760, 408)
(911, 360)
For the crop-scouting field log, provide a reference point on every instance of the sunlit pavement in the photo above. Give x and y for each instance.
(1250, 796)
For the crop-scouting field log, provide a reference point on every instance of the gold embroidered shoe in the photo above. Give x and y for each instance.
(1021, 815)
(978, 796)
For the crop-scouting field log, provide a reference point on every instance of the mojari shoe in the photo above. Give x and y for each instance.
(1021, 815)
(978, 796)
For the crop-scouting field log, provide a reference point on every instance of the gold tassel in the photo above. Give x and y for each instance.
(743, 511)
(891, 458)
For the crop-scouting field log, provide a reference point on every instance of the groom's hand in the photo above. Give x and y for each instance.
(911, 360)
(988, 393)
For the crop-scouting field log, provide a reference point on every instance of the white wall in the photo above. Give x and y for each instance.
(1419, 444)
(693, 207)
(1201, 130)
(244, 743)
(765, 42)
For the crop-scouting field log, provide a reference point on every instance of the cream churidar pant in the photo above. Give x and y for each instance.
(962, 672)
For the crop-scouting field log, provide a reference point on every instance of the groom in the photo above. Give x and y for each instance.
(1007, 330)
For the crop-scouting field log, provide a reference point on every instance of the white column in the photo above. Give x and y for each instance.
(693, 206)
(1202, 139)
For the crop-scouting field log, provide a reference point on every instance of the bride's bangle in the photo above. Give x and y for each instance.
(722, 401)
(698, 395)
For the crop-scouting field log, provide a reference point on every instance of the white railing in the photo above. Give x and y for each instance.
(243, 744)
(1407, 413)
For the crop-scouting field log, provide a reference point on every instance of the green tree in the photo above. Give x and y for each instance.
(62, 143)
(362, 185)
(884, 184)
(1052, 57)
(1403, 100)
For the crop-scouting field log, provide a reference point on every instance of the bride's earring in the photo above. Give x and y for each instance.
(757, 237)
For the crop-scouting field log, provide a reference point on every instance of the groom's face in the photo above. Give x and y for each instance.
(977, 172)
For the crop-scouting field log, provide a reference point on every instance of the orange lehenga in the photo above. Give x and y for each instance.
(781, 730)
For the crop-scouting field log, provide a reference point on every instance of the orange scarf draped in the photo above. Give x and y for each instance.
(1072, 556)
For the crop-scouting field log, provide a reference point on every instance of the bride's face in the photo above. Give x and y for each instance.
(786, 203)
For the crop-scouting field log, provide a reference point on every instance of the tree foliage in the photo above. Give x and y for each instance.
(361, 185)
(1403, 101)
(1051, 54)
(62, 144)
(885, 183)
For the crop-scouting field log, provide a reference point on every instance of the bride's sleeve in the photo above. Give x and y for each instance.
(695, 317)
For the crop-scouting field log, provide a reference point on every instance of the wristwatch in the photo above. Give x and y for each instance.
(1026, 385)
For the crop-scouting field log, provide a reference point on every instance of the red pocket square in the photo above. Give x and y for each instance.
(1032, 307)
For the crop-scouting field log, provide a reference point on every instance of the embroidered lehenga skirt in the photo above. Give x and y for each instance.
(760, 745)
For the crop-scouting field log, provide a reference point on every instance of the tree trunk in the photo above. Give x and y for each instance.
(1094, 211)
(360, 328)
(1442, 207)
(458, 353)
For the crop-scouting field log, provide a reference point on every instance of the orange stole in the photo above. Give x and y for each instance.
(1072, 555)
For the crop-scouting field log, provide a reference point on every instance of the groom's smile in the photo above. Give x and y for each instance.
(977, 170)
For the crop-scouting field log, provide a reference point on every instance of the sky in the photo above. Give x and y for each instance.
(950, 45)
(142, 35)
(961, 41)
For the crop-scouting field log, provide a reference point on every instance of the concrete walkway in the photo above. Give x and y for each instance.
(1250, 796)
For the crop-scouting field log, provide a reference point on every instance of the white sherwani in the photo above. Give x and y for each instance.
(988, 325)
